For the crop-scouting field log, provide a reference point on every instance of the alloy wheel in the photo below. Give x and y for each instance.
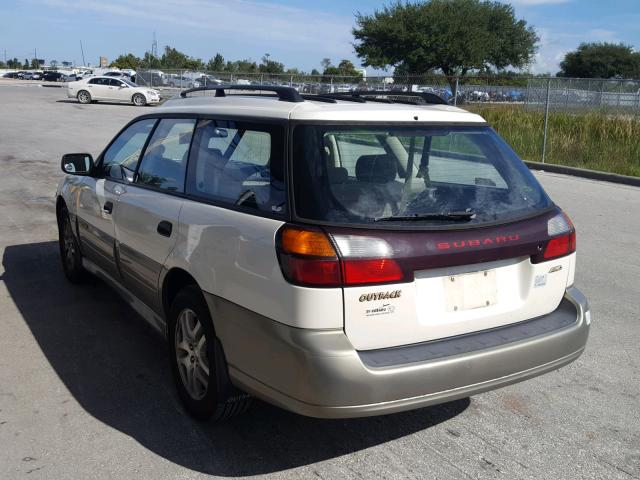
(191, 354)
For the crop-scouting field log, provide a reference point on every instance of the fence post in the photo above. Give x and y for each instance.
(546, 120)
(262, 78)
(291, 81)
(455, 94)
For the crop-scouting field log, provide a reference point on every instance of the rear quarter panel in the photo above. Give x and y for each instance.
(232, 255)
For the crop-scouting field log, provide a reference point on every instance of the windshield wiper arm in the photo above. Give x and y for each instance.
(459, 216)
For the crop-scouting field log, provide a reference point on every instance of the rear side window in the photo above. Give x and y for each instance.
(367, 174)
(239, 164)
(120, 160)
(164, 164)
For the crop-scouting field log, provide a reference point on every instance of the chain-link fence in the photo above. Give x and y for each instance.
(562, 94)
(583, 94)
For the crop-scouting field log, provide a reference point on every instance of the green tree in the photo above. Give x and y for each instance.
(315, 72)
(129, 61)
(216, 64)
(241, 66)
(452, 36)
(345, 71)
(2, 64)
(270, 66)
(13, 63)
(601, 60)
(26, 65)
(175, 59)
(325, 63)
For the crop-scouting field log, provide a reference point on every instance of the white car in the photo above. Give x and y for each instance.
(336, 255)
(111, 89)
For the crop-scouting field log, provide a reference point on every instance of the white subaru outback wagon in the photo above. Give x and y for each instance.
(337, 255)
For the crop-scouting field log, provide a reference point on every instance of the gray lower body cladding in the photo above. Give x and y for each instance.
(318, 372)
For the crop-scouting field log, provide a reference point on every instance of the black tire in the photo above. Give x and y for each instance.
(139, 100)
(84, 97)
(219, 400)
(70, 254)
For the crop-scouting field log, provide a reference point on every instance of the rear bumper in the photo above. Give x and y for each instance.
(318, 373)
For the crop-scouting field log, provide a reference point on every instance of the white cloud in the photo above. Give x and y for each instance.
(251, 21)
(554, 45)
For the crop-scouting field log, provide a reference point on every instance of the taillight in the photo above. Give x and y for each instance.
(357, 272)
(563, 238)
(308, 257)
(560, 246)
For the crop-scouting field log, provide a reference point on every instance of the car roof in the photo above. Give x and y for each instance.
(264, 106)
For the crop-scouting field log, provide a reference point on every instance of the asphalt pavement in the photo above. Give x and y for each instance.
(85, 388)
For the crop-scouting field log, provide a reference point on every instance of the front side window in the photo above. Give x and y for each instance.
(424, 175)
(121, 158)
(164, 164)
(115, 83)
(240, 164)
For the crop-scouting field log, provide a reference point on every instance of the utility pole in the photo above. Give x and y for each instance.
(154, 46)
(82, 50)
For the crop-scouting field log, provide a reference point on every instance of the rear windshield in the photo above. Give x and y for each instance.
(426, 175)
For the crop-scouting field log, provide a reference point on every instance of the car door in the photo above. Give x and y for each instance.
(119, 90)
(98, 197)
(146, 220)
(99, 88)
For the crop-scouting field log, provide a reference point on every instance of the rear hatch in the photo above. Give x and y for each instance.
(438, 230)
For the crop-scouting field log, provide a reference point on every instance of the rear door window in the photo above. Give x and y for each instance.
(239, 164)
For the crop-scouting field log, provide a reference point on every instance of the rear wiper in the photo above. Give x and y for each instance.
(460, 216)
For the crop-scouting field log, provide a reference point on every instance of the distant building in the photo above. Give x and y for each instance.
(104, 62)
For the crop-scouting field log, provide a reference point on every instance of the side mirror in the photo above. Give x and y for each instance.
(123, 86)
(77, 163)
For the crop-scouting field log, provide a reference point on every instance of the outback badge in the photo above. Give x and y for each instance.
(369, 297)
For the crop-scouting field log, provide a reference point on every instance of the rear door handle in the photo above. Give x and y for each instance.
(108, 207)
(165, 228)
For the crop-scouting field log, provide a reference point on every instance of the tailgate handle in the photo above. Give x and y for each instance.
(164, 228)
(108, 207)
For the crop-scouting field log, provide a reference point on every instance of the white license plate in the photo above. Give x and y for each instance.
(470, 290)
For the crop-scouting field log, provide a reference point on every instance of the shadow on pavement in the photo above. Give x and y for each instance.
(116, 368)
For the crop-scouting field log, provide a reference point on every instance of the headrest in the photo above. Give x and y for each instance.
(376, 168)
(337, 174)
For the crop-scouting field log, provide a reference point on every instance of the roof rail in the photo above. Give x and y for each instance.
(426, 97)
(285, 94)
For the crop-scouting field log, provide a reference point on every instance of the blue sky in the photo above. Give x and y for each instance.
(297, 33)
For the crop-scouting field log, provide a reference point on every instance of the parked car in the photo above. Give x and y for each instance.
(205, 80)
(30, 75)
(407, 257)
(116, 75)
(111, 89)
(149, 78)
(12, 74)
(51, 76)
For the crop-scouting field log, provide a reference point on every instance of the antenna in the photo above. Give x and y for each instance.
(154, 46)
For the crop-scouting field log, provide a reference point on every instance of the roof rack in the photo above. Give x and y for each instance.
(397, 97)
(285, 94)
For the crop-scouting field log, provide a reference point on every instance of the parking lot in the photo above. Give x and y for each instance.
(86, 392)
